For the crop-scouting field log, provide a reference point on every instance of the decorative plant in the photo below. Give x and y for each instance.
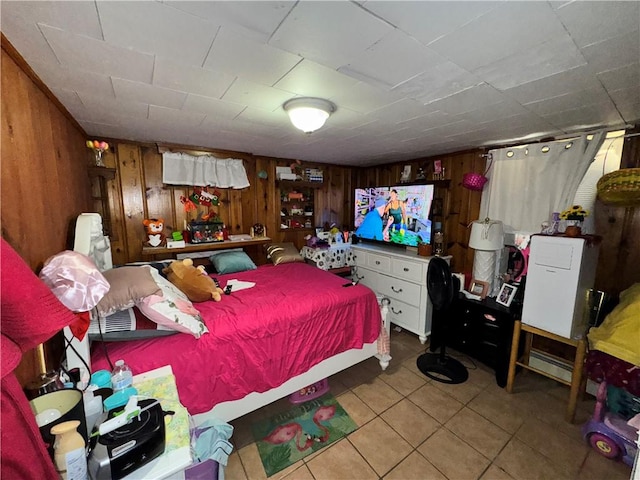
(576, 212)
(98, 148)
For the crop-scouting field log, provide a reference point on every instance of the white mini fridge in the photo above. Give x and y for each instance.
(561, 272)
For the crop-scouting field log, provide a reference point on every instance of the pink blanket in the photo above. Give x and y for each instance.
(293, 318)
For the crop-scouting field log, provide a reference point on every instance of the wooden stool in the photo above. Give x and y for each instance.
(578, 379)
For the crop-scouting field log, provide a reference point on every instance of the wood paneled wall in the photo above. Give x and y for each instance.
(461, 206)
(137, 192)
(45, 184)
(620, 231)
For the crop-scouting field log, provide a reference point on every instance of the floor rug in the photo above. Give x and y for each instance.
(289, 436)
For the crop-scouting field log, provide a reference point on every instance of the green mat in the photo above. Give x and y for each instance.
(287, 437)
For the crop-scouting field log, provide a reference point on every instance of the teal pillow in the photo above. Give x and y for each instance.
(232, 262)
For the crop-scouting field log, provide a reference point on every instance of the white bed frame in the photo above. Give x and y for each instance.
(90, 241)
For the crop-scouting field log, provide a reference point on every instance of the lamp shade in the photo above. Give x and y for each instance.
(308, 114)
(486, 235)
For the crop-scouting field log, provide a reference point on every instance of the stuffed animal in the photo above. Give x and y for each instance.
(155, 231)
(193, 281)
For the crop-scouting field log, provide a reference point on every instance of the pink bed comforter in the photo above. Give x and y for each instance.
(293, 318)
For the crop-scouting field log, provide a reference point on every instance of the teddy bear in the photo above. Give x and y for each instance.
(155, 231)
(193, 281)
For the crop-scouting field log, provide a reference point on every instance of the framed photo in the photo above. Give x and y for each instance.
(478, 287)
(506, 294)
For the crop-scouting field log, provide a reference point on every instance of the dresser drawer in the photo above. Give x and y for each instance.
(399, 289)
(367, 278)
(409, 270)
(379, 263)
(404, 315)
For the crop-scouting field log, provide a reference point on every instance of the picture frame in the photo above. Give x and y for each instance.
(478, 287)
(506, 294)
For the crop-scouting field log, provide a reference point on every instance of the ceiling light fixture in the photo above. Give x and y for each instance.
(308, 114)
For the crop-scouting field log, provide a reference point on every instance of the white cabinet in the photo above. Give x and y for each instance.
(402, 278)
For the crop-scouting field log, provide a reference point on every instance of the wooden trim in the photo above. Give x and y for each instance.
(24, 66)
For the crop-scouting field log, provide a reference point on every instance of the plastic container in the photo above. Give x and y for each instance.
(92, 408)
(121, 377)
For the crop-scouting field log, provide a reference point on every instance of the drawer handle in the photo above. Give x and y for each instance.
(394, 289)
(377, 262)
(396, 312)
(488, 316)
(405, 269)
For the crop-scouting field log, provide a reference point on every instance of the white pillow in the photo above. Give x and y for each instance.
(173, 309)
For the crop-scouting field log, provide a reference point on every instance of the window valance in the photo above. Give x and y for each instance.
(203, 170)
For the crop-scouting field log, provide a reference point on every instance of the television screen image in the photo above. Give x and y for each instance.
(396, 215)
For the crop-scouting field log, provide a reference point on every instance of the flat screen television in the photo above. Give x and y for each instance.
(394, 215)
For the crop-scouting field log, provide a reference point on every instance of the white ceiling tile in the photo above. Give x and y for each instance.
(505, 108)
(266, 118)
(191, 79)
(400, 111)
(626, 96)
(568, 101)
(169, 117)
(313, 80)
(428, 21)
(595, 21)
(84, 53)
(613, 53)
(324, 32)
(382, 62)
(126, 90)
(254, 19)
(576, 79)
(500, 33)
(182, 37)
(440, 81)
(623, 77)
(439, 106)
(69, 99)
(249, 59)
(630, 113)
(551, 57)
(76, 17)
(90, 83)
(260, 96)
(468, 100)
(586, 117)
(363, 98)
(212, 106)
(112, 107)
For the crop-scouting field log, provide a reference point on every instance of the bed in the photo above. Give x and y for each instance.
(297, 325)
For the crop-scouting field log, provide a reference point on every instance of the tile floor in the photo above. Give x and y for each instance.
(411, 427)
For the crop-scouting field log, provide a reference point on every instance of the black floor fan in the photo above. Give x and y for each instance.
(442, 289)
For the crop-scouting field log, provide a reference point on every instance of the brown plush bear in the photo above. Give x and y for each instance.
(193, 282)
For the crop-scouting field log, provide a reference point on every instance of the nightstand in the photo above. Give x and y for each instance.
(483, 329)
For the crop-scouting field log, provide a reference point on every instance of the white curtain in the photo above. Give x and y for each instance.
(203, 170)
(530, 182)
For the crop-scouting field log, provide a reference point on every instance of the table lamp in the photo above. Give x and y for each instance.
(486, 238)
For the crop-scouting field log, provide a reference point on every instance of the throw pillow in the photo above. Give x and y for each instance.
(232, 262)
(283, 253)
(172, 308)
(128, 285)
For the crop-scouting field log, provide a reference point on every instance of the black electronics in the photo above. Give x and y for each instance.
(442, 287)
(124, 450)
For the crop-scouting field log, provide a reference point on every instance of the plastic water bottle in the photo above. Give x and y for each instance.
(122, 376)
